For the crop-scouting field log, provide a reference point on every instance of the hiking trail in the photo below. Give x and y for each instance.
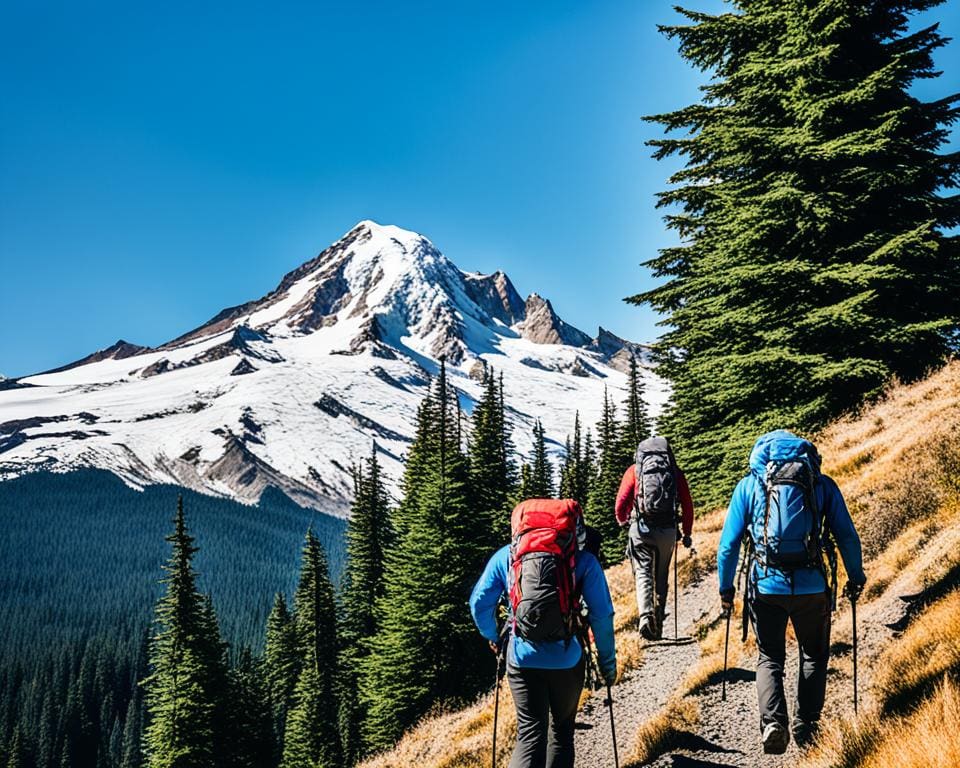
(643, 691)
(727, 732)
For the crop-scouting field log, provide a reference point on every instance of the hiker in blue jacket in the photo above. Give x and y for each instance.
(790, 513)
(546, 677)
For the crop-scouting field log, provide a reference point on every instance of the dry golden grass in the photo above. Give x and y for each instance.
(899, 461)
(660, 733)
(928, 649)
(454, 739)
(927, 738)
(629, 647)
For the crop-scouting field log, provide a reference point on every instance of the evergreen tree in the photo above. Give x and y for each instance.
(636, 425)
(603, 492)
(281, 667)
(369, 535)
(538, 482)
(817, 259)
(17, 752)
(566, 468)
(311, 737)
(588, 469)
(185, 667)
(491, 472)
(575, 474)
(426, 651)
(250, 739)
(131, 757)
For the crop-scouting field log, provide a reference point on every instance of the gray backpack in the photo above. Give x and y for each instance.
(656, 501)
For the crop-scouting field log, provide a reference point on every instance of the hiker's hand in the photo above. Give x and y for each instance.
(726, 600)
(853, 591)
(495, 648)
(687, 542)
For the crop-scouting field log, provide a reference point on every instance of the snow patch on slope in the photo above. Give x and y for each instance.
(291, 389)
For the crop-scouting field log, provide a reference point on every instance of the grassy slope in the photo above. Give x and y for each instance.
(898, 465)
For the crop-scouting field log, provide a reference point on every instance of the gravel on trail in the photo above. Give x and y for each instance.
(728, 732)
(641, 692)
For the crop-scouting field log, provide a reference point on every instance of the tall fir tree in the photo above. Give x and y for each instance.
(182, 692)
(575, 473)
(250, 737)
(311, 737)
(282, 662)
(491, 468)
(818, 253)
(636, 423)
(537, 480)
(426, 652)
(131, 755)
(369, 535)
(603, 492)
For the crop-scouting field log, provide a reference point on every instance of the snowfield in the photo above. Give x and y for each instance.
(293, 388)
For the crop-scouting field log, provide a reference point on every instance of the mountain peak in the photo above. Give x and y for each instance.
(542, 325)
(289, 389)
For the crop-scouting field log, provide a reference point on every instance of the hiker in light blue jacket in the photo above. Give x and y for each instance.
(546, 677)
(791, 514)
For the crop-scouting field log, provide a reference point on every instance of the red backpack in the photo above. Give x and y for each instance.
(543, 548)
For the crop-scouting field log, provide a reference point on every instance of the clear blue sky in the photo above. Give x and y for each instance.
(159, 164)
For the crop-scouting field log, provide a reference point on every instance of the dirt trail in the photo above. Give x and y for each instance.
(642, 692)
(727, 733)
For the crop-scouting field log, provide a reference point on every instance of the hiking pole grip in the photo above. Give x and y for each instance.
(613, 727)
(726, 646)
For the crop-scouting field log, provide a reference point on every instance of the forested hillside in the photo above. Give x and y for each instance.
(297, 679)
(81, 570)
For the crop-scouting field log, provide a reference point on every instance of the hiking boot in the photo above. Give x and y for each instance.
(648, 628)
(804, 732)
(775, 739)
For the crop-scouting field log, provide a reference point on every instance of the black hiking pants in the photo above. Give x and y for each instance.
(650, 551)
(810, 615)
(546, 702)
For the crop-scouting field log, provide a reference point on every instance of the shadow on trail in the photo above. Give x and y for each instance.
(683, 761)
(669, 642)
(734, 675)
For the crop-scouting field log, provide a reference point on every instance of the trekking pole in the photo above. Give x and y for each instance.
(676, 556)
(613, 728)
(853, 608)
(726, 645)
(496, 704)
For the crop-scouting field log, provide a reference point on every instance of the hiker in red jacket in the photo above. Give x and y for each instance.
(647, 502)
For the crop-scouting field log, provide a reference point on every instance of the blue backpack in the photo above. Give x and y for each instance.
(787, 534)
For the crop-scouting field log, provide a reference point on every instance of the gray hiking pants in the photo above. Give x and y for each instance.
(650, 551)
(810, 615)
(546, 702)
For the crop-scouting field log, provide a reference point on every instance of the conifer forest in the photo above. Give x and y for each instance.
(311, 653)
(814, 262)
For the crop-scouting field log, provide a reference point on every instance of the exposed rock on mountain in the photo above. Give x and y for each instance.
(338, 355)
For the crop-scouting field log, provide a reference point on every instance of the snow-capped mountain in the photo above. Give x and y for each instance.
(290, 389)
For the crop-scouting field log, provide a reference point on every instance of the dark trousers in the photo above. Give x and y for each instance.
(546, 702)
(650, 551)
(810, 615)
